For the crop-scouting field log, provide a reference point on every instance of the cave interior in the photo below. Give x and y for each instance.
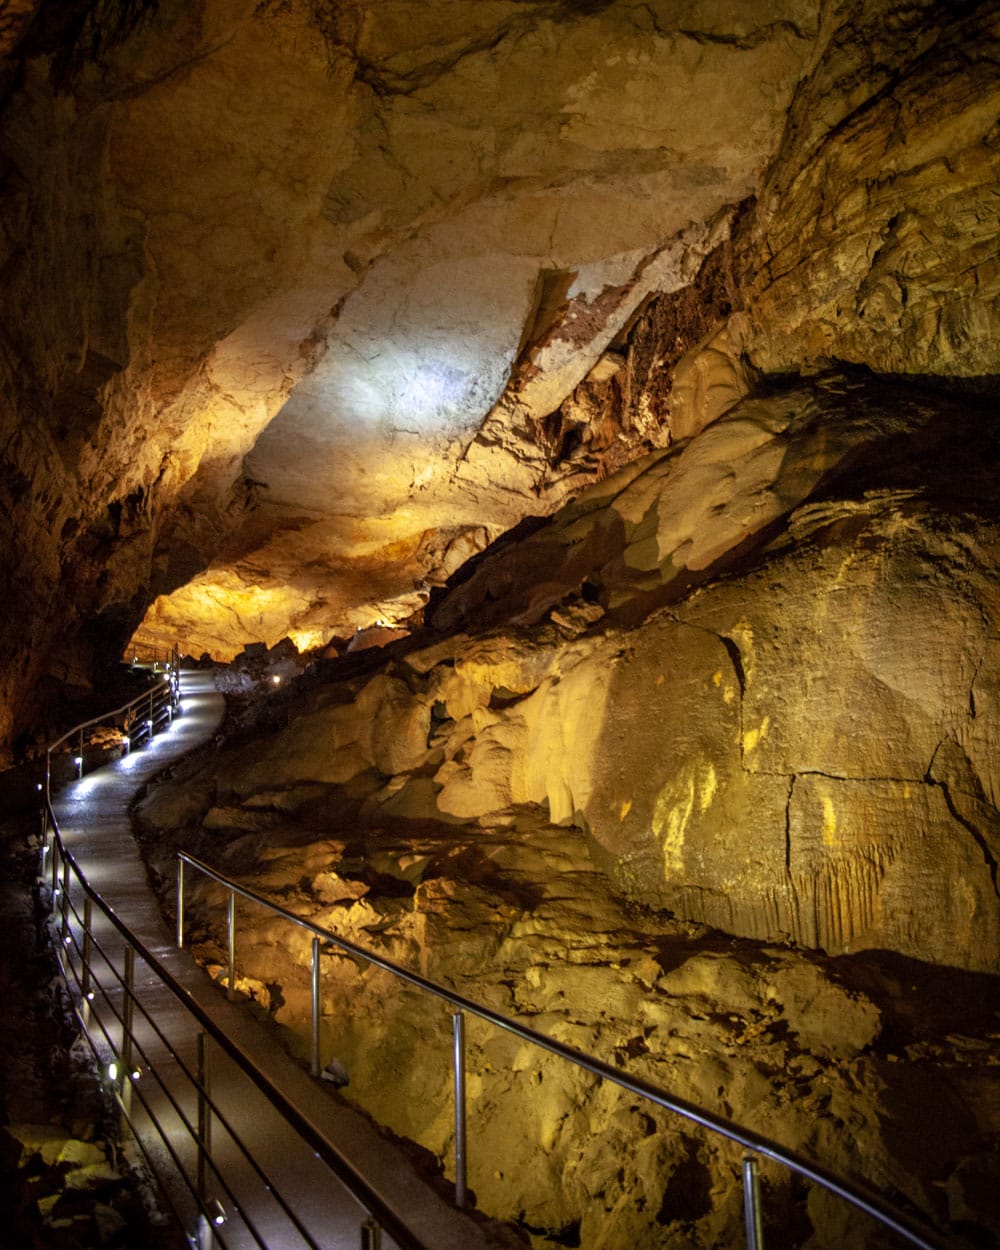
(568, 433)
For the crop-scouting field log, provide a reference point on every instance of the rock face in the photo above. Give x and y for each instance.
(305, 303)
(880, 242)
(327, 236)
(745, 683)
(798, 743)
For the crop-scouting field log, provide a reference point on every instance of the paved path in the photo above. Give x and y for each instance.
(93, 817)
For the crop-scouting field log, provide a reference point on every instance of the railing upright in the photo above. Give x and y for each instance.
(54, 866)
(64, 902)
(458, 1067)
(314, 1064)
(138, 714)
(751, 1204)
(231, 988)
(180, 904)
(87, 953)
(204, 1138)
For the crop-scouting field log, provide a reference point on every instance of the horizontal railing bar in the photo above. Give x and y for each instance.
(109, 1040)
(856, 1194)
(126, 1111)
(68, 971)
(161, 687)
(343, 1169)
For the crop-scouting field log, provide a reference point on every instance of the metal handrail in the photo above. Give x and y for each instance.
(363, 1192)
(858, 1195)
(142, 653)
(86, 977)
(167, 688)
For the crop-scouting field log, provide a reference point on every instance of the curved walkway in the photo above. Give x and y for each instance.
(94, 819)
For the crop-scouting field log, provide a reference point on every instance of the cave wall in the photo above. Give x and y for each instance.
(303, 305)
(758, 670)
(230, 201)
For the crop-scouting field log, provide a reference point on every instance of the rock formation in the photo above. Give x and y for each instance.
(750, 678)
(305, 304)
(634, 368)
(797, 740)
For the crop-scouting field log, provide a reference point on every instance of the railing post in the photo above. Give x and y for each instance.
(79, 767)
(751, 1204)
(371, 1235)
(458, 1049)
(64, 927)
(180, 903)
(85, 957)
(47, 837)
(314, 1048)
(231, 988)
(128, 1004)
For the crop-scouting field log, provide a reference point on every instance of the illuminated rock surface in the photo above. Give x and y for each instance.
(800, 745)
(305, 305)
(513, 915)
(755, 690)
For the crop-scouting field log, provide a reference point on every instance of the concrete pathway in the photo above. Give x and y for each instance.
(93, 817)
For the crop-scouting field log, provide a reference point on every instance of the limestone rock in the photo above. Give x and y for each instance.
(794, 748)
(385, 730)
(674, 518)
(304, 304)
(799, 748)
(879, 242)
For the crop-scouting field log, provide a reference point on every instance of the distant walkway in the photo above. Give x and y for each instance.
(93, 816)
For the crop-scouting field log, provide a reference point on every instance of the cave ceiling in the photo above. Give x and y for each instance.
(448, 213)
(305, 304)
